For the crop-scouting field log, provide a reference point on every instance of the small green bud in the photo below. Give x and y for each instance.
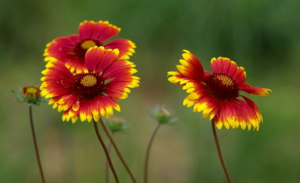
(162, 115)
(30, 95)
(116, 124)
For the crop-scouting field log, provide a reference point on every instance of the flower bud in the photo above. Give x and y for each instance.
(30, 95)
(162, 115)
(115, 124)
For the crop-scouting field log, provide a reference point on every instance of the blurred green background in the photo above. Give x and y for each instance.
(261, 36)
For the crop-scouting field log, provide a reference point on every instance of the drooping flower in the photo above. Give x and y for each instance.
(71, 49)
(89, 95)
(217, 94)
(30, 95)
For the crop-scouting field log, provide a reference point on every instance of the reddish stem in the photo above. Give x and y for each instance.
(117, 150)
(35, 145)
(106, 163)
(106, 152)
(219, 150)
(148, 152)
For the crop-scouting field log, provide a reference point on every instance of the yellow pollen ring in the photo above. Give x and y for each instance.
(31, 90)
(87, 44)
(227, 81)
(88, 81)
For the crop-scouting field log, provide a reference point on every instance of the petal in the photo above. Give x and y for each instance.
(191, 69)
(76, 65)
(93, 57)
(249, 115)
(226, 64)
(229, 68)
(122, 80)
(254, 107)
(100, 31)
(59, 85)
(94, 108)
(177, 78)
(239, 76)
(98, 59)
(236, 113)
(232, 68)
(202, 101)
(216, 65)
(62, 48)
(207, 73)
(118, 68)
(125, 46)
(254, 90)
(58, 79)
(220, 65)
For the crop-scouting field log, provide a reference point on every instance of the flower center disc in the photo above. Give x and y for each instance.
(226, 81)
(31, 90)
(85, 45)
(222, 86)
(88, 81)
(89, 85)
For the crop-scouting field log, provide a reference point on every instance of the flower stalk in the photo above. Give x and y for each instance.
(117, 150)
(148, 151)
(106, 163)
(35, 145)
(219, 151)
(106, 152)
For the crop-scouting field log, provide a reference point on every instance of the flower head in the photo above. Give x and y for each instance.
(217, 94)
(162, 115)
(71, 49)
(30, 95)
(90, 94)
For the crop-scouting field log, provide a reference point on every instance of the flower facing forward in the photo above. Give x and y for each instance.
(217, 94)
(89, 95)
(71, 49)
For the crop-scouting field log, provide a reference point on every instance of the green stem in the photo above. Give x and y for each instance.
(106, 152)
(148, 152)
(35, 145)
(219, 151)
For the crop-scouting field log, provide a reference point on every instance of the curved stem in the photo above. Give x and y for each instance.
(219, 150)
(106, 152)
(106, 162)
(117, 150)
(35, 145)
(148, 152)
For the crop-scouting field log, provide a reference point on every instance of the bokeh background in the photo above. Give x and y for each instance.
(261, 36)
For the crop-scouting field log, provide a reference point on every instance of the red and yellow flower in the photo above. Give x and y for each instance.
(71, 49)
(217, 94)
(90, 94)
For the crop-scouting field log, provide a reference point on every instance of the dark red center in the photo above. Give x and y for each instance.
(222, 86)
(89, 85)
(84, 45)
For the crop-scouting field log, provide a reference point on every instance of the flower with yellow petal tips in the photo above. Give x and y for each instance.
(217, 94)
(90, 94)
(71, 49)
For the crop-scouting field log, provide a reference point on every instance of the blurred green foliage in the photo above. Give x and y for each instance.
(262, 36)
